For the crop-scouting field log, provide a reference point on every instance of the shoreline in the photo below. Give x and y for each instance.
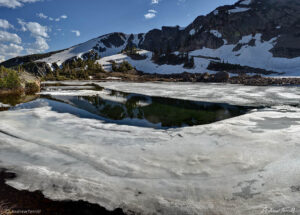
(224, 77)
(13, 201)
(220, 77)
(8, 92)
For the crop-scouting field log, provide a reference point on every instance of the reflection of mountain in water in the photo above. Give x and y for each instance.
(165, 112)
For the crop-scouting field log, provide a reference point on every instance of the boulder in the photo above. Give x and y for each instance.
(221, 77)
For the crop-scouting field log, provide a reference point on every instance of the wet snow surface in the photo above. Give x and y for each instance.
(236, 166)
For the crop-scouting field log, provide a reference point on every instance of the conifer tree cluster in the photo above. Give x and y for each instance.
(9, 79)
(130, 50)
(123, 67)
(76, 69)
(133, 53)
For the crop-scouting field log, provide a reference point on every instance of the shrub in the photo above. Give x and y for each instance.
(75, 68)
(114, 66)
(125, 66)
(31, 88)
(9, 79)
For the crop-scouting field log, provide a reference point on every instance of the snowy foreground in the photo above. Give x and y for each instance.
(238, 166)
(3, 105)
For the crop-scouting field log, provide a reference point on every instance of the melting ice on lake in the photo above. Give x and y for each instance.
(240, 165)
(137, 109)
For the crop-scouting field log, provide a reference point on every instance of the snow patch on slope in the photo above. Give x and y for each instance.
(216, 33)
(238, 10)
(192, 32)
(79, 50)
(136, 39)
(245, 2)
(148, 66)
(258, 56)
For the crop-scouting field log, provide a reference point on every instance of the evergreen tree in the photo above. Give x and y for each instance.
(114, 66)
(9, 79)
(192, 62)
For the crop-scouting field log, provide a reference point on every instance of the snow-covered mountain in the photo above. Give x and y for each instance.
(106, 45)
(256, 33)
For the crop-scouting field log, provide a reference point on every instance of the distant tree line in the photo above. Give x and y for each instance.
(76, 68)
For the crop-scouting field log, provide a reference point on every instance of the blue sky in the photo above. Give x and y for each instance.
(36, 26)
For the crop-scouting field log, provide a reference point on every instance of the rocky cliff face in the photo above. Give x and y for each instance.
(278, 19)
(272, 24)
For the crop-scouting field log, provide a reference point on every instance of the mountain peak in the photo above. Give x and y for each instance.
(270, 28)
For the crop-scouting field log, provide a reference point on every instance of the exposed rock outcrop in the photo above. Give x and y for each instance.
(37, 68)
(274, 21)
(221, 77)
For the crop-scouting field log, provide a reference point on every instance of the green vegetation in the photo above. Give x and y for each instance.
(76, 69)
(12, 86)
(125, 66)
(9, 79)
(31, 88)
(132, 52)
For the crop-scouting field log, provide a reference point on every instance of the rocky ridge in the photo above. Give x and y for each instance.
(233, 28)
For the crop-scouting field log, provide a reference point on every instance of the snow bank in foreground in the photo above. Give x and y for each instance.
(237, 166)
(4, 105)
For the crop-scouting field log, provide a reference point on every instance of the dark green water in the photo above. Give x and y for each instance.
(124, 108)
(132, 108)
(13, 100)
